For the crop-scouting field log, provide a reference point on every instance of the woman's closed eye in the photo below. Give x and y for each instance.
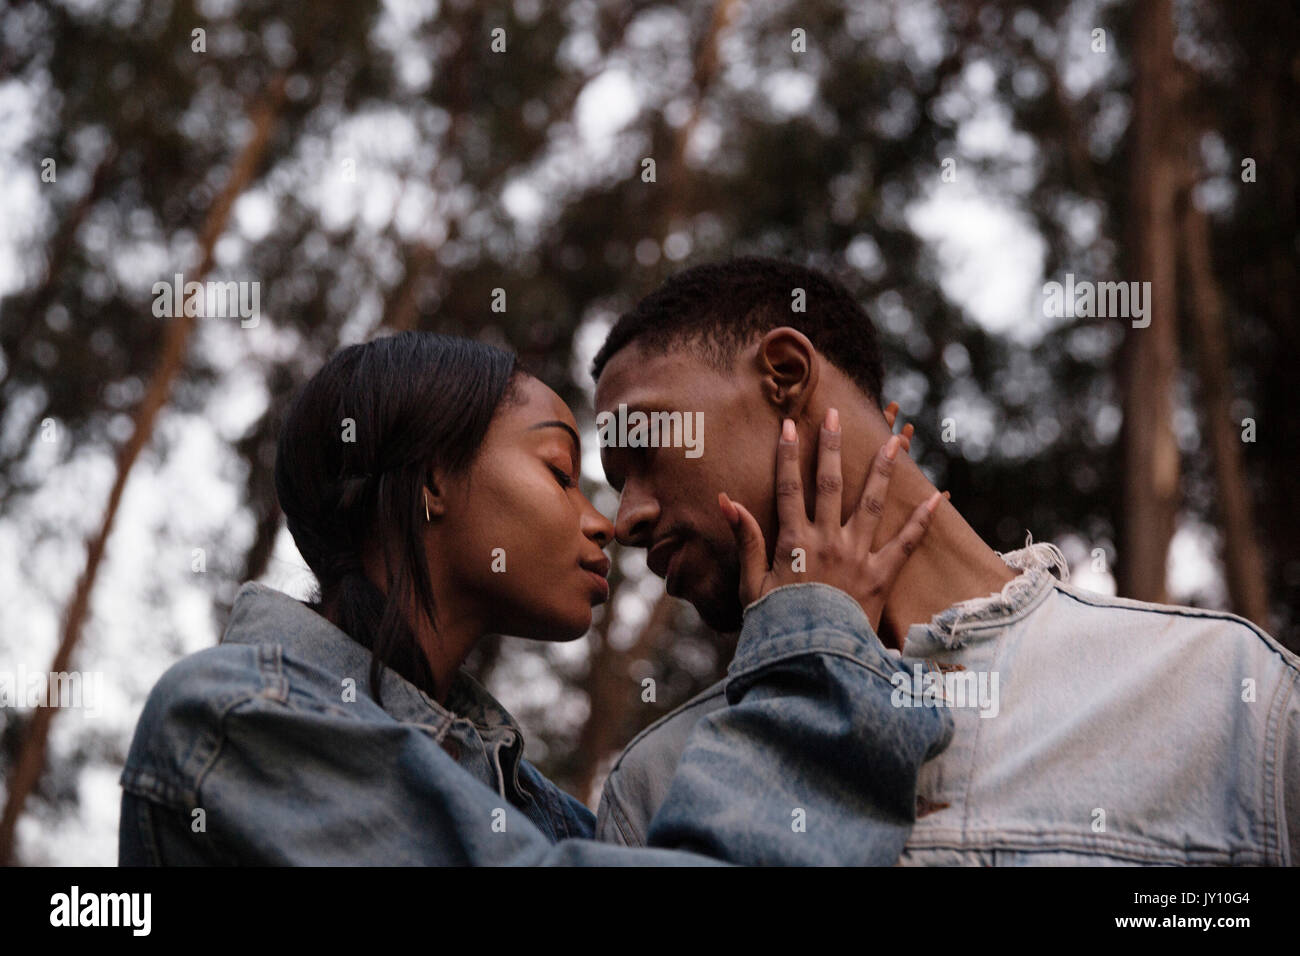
(562, 477)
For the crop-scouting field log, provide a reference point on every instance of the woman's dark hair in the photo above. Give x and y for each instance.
(356, 449)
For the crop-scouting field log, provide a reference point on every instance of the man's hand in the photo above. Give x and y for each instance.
(834, 554)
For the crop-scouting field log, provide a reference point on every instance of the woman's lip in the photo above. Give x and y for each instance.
(602, 584)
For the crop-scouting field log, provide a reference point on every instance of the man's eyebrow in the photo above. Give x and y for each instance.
(556, 423)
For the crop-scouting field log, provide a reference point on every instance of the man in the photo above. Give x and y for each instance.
(1089, 729)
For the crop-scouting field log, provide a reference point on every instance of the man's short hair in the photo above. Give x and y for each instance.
(720, 307)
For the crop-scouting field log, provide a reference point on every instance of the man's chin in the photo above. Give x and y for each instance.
(721, 615)
(728, 622)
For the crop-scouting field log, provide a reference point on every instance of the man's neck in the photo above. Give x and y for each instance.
(952, 564)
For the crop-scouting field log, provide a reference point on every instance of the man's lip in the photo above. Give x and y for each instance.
(661, 554)
(670, 574)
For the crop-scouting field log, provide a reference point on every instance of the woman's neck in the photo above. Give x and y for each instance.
(444, 645)
(459, 628)
(446, 652)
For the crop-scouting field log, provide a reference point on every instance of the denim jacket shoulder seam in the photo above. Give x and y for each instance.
(1289, 659)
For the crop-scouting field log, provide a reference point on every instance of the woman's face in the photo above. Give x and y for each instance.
(520, 541)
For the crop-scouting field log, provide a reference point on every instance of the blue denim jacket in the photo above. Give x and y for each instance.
(1090, 730)
(268, 749)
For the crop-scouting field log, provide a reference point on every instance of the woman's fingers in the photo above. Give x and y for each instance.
(872, 503)
(889, 560)
(834, 555)
(906, 435)
(751, 548)
(891, 416)
(830, 478)
(790, 507)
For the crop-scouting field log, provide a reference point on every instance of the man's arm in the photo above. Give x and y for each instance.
(638, 782)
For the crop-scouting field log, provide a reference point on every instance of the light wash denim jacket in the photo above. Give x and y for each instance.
(254, 752)
(1090, 730)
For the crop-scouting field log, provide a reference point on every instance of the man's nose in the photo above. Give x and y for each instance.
(637, 514)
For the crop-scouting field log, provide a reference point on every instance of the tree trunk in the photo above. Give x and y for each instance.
(31, 760)
(1150, 450)
(612, 694)
(1242, 560)
(707, 61)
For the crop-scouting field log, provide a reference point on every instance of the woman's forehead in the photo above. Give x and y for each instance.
(540, 403)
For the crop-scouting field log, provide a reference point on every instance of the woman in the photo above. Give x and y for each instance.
(432, 488)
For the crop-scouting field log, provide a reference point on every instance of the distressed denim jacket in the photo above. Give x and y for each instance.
(1090, 730)
(268, 749)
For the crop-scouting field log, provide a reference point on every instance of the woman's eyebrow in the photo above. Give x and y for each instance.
(556, 423)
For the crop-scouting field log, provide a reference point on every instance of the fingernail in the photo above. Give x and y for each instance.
(947, 496)
(934, 501)
(788, 433)
(891, 447)
(833, 420)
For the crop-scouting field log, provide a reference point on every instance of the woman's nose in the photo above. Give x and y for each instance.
(597, 527)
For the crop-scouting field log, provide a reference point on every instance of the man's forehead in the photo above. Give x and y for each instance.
(649, 379)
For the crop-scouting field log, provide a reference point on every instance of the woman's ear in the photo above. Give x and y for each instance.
(435, 494)
(788, 369)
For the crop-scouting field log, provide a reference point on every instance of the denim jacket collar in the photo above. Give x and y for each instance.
(264, 615)
(949, 629)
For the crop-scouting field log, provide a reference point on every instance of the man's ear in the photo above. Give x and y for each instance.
(788, 369)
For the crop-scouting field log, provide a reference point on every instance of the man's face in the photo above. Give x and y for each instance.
(669, 502)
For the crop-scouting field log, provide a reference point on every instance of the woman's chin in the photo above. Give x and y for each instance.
(562, 629)
(581, 625)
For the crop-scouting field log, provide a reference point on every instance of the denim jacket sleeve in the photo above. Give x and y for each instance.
(1290, 764)
(815, 758)
(811, 762)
